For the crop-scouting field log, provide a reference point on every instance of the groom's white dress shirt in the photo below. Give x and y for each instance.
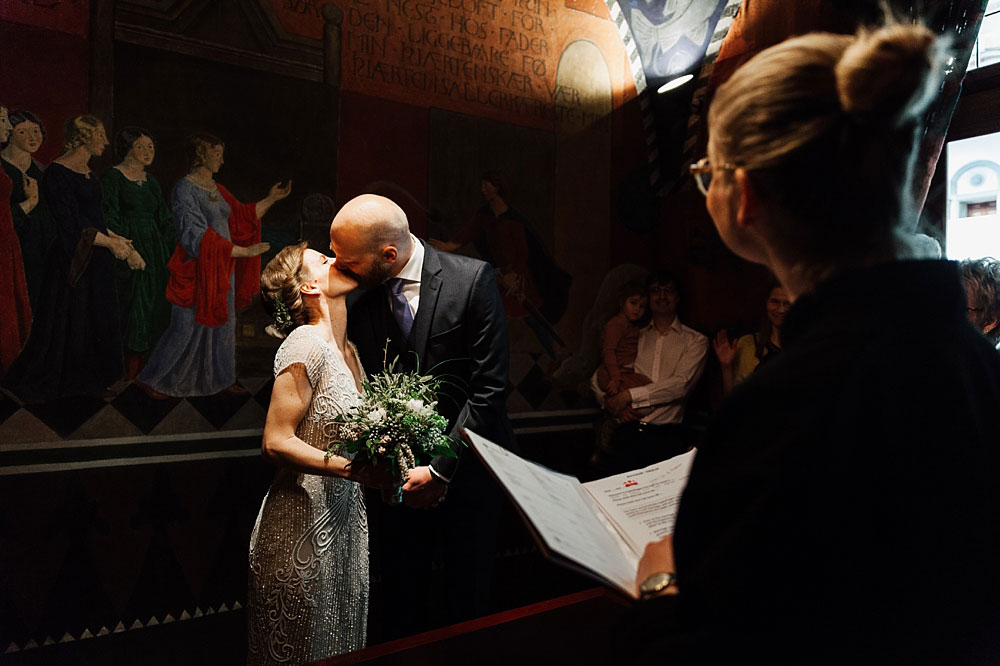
(410, 275)
(674, 360)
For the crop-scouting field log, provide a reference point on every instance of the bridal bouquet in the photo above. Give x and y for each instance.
(396, 423)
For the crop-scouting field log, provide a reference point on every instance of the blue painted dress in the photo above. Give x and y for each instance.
(192, 359)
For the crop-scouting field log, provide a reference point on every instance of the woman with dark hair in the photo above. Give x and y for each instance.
(13, 290)
(739, 359)
(31, 215)
(75, 344)
(213, 273)
(134, 207)
(842, 507)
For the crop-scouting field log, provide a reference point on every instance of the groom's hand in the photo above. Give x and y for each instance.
(422, 489)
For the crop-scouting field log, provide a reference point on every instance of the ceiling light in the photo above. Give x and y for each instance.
(674, 83)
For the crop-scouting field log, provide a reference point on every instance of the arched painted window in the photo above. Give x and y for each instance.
(973, 189)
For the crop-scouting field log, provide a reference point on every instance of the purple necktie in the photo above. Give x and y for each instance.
(400, 306)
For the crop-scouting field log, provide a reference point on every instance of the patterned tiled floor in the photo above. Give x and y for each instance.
(132, 413)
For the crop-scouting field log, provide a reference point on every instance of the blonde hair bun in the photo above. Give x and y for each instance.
(889, 74)
(279, 290)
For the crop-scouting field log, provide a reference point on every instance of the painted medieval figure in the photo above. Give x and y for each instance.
(75, 344)
(30, 212)
(213, 273)
(134, 207)
(13, 290)
(534, 289)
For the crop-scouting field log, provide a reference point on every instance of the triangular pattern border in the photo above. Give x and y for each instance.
(14, 647)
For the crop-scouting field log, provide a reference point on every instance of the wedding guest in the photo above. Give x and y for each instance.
(30, 212)
(308, 592)
(672, 355)
(13, 289)
(741, 358)
(982, 291)
(134, 207)
(75, 345)
(807, 535)
(213, 273)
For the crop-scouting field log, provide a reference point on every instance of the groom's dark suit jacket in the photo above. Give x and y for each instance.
(459, 333)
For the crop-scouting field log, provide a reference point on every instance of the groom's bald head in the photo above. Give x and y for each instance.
(377, 219)
(371, 238)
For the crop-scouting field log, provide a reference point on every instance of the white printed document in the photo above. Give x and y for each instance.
(599, 528)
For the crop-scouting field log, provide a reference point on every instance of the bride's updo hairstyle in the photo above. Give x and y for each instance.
(280, 283)
(826, 127)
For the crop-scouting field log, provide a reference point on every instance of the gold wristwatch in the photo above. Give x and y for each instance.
(656, 584)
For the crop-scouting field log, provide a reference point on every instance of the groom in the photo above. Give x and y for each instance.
(441, 314)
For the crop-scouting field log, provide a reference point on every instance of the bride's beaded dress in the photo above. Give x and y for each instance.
(308, 592)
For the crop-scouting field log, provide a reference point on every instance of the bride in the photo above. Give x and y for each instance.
(308, 591)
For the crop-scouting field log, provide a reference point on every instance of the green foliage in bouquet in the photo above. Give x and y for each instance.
(396, 423)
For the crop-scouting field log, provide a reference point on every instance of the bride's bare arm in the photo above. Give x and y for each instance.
(290, 399)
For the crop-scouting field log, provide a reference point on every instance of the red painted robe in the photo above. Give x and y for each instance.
(15, 313)
(203, 282)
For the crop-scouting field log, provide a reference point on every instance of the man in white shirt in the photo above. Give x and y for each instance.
(673, 356)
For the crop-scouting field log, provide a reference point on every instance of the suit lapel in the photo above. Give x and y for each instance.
(430, 289)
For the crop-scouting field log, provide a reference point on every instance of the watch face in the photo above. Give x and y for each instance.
(655, 583)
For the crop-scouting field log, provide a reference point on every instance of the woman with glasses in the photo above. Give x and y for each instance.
(855, 524)
(740, 358)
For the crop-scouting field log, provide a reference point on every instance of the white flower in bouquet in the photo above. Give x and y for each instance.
(396, 425)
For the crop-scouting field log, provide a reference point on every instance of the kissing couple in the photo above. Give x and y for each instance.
(437, 313)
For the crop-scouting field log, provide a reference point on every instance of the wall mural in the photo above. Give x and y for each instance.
(489, 58)
(481, 116)
(505, 98)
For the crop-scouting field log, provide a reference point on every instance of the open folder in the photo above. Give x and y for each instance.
(598, 528)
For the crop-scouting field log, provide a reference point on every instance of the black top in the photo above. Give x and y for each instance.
(35, 230)
(74, 348)
(860, 522)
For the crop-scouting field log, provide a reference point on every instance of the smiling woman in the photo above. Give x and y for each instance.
(30, 212)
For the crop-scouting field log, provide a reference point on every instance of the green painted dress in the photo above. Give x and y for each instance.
(137, 211)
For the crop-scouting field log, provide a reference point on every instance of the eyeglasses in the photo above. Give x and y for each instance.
(702, 172)
(778, 303)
